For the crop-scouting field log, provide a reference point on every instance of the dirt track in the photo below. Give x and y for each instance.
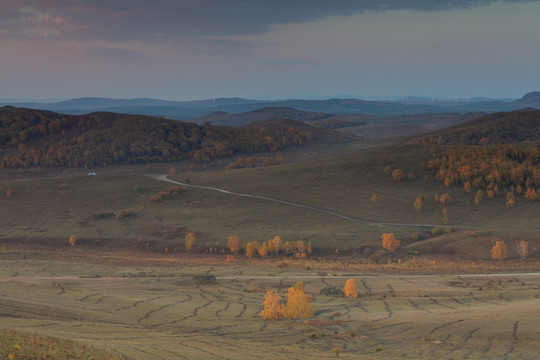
(334, 213)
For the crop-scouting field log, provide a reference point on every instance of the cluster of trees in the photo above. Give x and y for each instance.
(298, 305)
(169, 193)
(101, 139)
(254, 161)
(492, 169)
(18, 126)
(274, 246)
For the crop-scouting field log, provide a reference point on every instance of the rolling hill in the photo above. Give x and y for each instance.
(40, 138)
(514, 127)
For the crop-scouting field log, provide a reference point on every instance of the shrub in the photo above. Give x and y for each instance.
(440, 230)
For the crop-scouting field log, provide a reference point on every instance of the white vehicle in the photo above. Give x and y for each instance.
(92, 173)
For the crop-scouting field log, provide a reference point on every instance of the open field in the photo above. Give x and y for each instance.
(161, 312)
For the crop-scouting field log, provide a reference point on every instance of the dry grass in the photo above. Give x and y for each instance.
(164, 317)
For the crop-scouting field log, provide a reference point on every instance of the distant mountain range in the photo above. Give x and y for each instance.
(184, 110)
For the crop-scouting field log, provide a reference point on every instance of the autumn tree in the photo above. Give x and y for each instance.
(273, 308)
(190, 239)
(9, 192)
(523, 249)
(274, 244)
(251, 248)
(350, 290)
(72, 240)
(445, 199)
(389, 242)
(262, 249)
(499, 250)
(234, 244)
(510, 202)
(374, 198)
(298, 303)
(478, 197)
(445, 216)
(419, 203)
(530, 194)
(397, 175)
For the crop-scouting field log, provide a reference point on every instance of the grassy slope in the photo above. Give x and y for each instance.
(53, 209)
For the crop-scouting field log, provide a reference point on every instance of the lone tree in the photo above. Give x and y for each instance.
(72, 240)
(234, 244)
(190, 239)
(389, 242)
(499, 250)
(419, 203)
(523, 249)
(350, 290)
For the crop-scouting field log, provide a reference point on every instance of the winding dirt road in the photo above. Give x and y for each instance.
(330, 212)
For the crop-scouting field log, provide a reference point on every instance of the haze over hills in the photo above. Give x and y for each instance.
(194, 109)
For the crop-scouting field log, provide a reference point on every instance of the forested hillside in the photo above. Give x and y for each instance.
(513, 127)
(40, 138)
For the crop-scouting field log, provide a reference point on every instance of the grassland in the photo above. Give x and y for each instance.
(128, 284)
(161, 312)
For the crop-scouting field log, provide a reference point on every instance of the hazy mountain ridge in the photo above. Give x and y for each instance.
(199, 108)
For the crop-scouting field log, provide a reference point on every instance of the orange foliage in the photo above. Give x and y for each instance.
(251, 248)
(397, 175)
(298, 303)
(229, 259)
(499, 250)
(263, 249)
(350, 290)
(374, 198)
(523, 249)
(9, 192)
(234, 244)
(389, 242)
(530, 194)
(273, 308)
(418, 203)
(72, 240)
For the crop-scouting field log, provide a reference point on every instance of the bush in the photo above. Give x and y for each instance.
(440, 230)
(332, 291)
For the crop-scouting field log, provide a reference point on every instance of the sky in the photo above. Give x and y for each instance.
(203, 49)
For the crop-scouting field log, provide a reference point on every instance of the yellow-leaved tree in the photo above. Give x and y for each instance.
(263, 249)
(251, 248)
(499, 250)
(389, 242)
(273, 308)
(72, 240)
(350, 290)
(274, 245)
(190, 239)
(298, 303)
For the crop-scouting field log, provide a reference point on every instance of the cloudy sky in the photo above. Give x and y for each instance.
(198, 49)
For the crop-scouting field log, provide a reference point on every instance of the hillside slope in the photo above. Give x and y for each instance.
(514, 127)
(41, 138)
